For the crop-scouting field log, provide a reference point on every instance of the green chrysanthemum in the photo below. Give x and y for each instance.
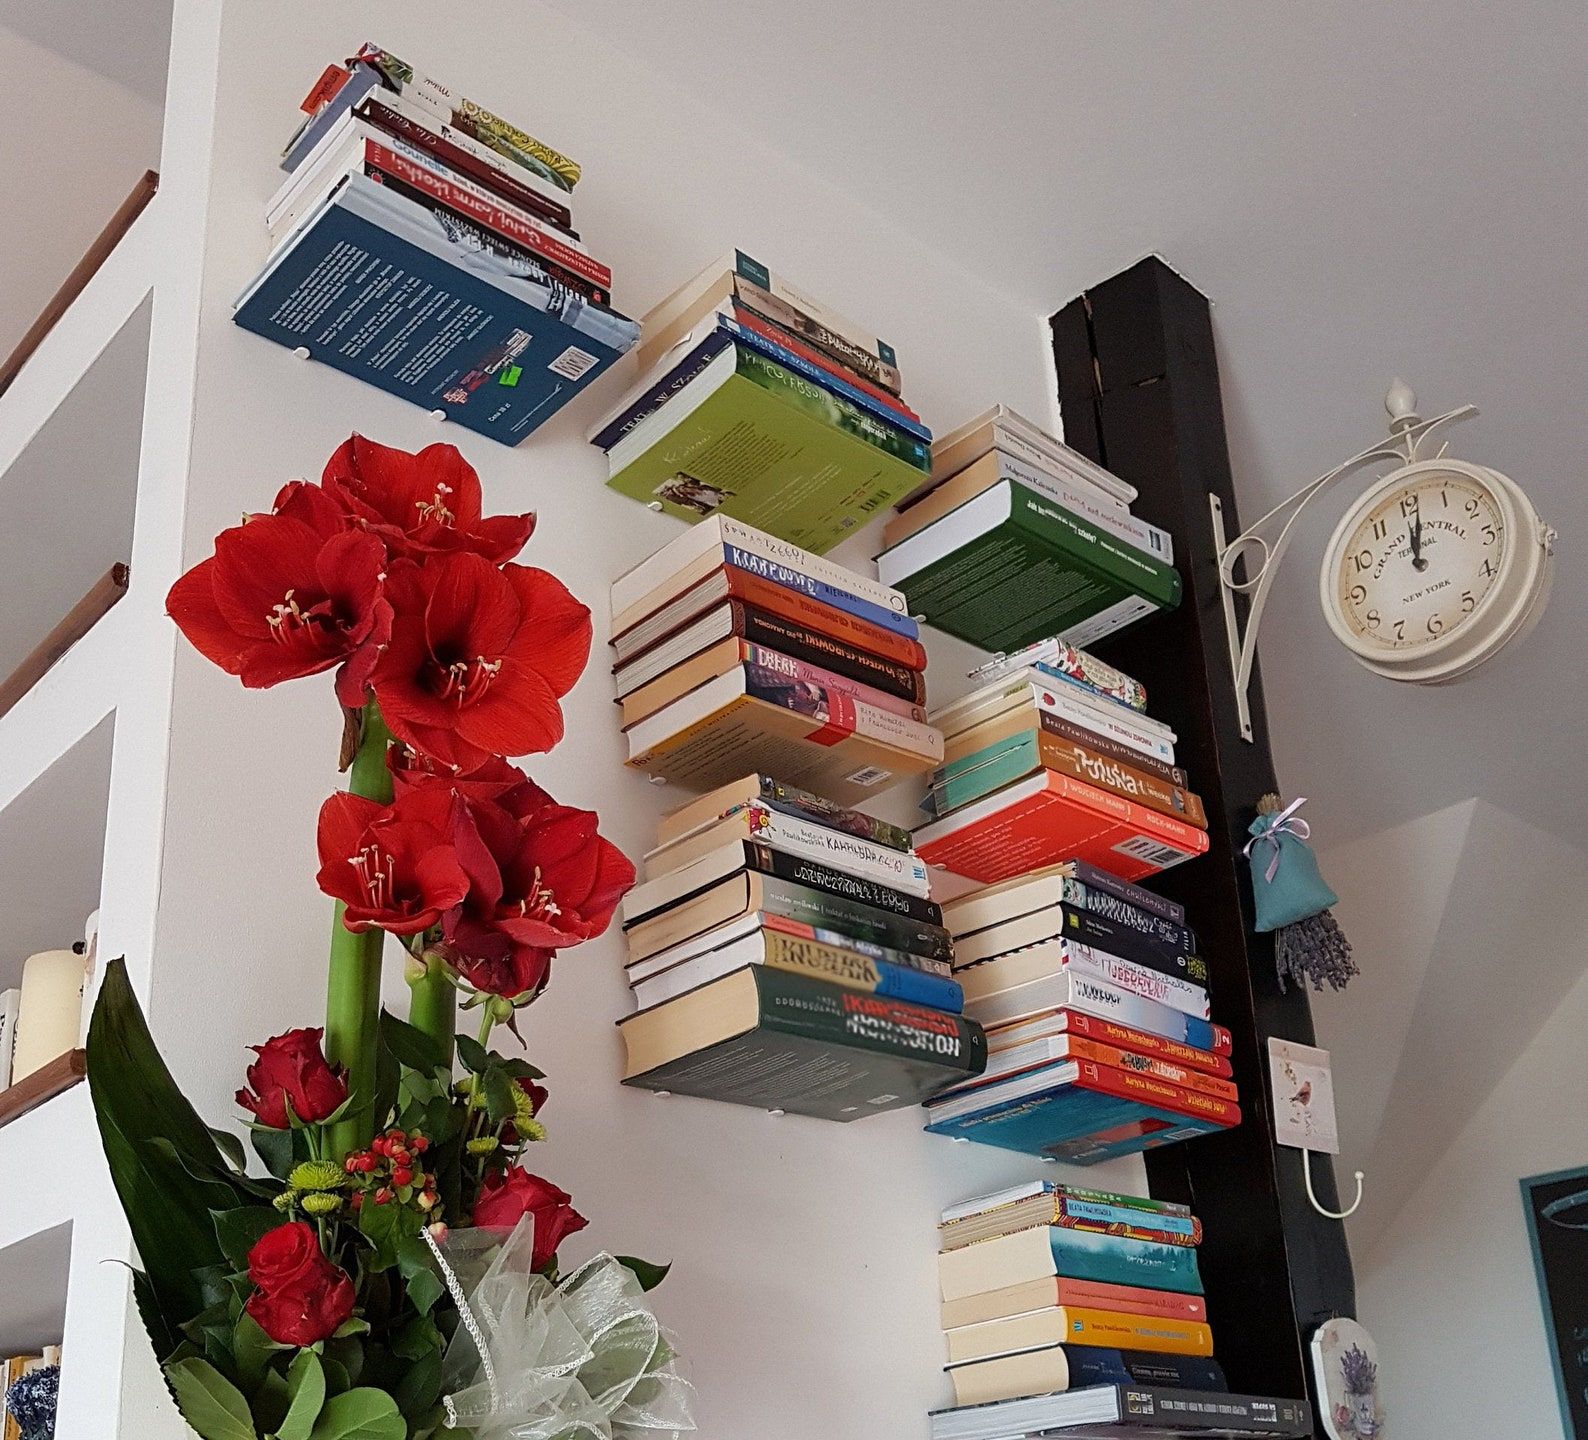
(320, 1203)
(286, 1200)
(317, 1175)
(482, 1145)
(530, 1130)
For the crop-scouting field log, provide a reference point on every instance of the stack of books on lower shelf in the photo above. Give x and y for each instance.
(425, 245)
(1019, 537)
(759, 402)
(784, 953)
(1096, 1008)
(1053, 757)
(29, 1392)
(735, 650)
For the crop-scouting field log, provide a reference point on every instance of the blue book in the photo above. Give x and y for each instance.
(1098, 1365)
(1074, 1255)
(693, 363)
(791, 578)
(390, 292)
(917, 987)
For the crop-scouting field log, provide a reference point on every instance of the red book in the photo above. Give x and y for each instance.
(1130, 1299)
(1110, 1032)
(1049, 817)
(1078, 1047)
(1158, 1093)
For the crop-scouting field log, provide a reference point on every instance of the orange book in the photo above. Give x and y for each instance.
(1049, 817)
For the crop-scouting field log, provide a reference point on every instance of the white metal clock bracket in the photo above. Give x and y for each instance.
(1409, 440)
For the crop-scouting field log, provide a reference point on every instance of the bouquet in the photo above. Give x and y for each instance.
(388, 1270)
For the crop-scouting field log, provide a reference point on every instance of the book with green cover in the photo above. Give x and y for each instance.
(1011, 567)
(782, 1041)
(749, 439)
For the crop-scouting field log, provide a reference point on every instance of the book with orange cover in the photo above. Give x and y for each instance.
(1049, 1049)
(1213, 1061)
(1061, 1290)
(1049, 817)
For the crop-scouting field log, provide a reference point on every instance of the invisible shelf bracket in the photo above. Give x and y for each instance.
(1262, 544)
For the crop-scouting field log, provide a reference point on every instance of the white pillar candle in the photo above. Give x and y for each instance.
(51, 1009)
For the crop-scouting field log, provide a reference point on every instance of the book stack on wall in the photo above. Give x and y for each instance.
(761, 403)
(738, 651)
(1047, 1288)
(1018, 537)
(425, 245)
(784, 953)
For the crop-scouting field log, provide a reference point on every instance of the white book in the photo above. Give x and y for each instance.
(714, 535)
(1033, 688)
(10, 1003)
(1067, 990)
(987, 979)
(1065, 492)
(977, 1204)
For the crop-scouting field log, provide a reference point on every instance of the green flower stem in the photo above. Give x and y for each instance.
(352, 1002)
(432, 1005)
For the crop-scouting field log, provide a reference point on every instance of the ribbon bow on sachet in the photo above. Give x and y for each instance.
(1266, 829)
(582, 1359)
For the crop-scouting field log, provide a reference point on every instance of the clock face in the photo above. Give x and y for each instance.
(1420, 561)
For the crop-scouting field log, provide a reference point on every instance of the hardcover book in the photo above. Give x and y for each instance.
(1081, 886)
(1024, 696)
(785, 1042)
(372, 284)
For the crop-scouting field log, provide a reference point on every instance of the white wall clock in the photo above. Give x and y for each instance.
(1434, 569)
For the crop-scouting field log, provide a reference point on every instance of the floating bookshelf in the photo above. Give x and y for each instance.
(43, 1084)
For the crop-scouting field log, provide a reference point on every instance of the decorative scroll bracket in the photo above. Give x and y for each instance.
(1409, 440)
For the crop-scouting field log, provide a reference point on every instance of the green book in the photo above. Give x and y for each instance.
(750, 439)
(783, 1041)
(1012, 567)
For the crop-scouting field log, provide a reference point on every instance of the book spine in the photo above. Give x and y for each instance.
(814, 840)
(818, 567)
(1130, 1202)
(418, 169)
(1091, 928)
(687, 369)
(767, 861)
(1058, 657)
(1083, 763)
(1075, 1214)
(963, 783)
(1131, 1300)
(1177, 939)
(856, 971)
(1128, 1085)
(819, 375)
(1107, 1002)
(360, 81)
(491, 173)
(1191, 1409)
(802, 672)
(1138, 1333)
(1212, 1060)
(752, 270)
(813, 400)
(1097, 1365)
(802, 1006)
(1101, 882)
(1081, 1048)
(1123, 563)
(776, 333)
(1118, 726)
(1077, 734)
(826, 912)
(810, 614)
(844, 940)
(1160, 830)
(1135, 979)
(1122, 525)
(791, 800)
(773, 631)
(769, 307)
(841, 715)
(821, 591)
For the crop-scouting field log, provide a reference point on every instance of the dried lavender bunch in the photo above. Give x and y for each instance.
(1314, 950)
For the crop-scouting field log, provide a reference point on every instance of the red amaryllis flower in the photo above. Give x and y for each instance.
(493, 964)
(287, 594)
(497, 780)
(292, 1069)
(423, 504)
(478, 658)
(391, 865)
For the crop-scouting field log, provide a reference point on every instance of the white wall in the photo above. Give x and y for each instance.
(1449, 1291)
(72, 144)
(803, 1293)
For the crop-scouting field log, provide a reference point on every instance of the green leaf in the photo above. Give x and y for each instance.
(420, 1386)
(360, 1415)
(231, 1147)
(253, 1350)
(417, 1337)
(209, 1402)
(239, 1231)
(385, 1226)
(474, 1056)
(415, 1265)
(410, 1045)
(306, 1385)
(279, 1149)
(269, 1402)
(336, 1376)
(522, 1069)
(647, 1272)
(348, 1352)
(498, 1095)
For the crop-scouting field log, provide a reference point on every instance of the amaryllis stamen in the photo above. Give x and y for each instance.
(284, 616)
(376, 873)
(436, 508)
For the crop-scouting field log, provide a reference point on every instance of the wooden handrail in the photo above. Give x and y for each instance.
(78, 621)
(43, 1084)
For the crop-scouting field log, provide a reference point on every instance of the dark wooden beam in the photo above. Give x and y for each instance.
(1139, 391)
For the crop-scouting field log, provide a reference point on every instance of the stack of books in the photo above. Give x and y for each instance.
(738, 651)
(784, 953)
(1095, 1003)
(1053, 757)
(759, 402)
(1047, 1288)
(1019, 537)
(425, 245)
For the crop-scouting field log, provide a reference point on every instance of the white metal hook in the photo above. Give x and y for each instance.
(1306, 1171)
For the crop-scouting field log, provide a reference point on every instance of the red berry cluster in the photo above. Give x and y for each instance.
(392, 1170)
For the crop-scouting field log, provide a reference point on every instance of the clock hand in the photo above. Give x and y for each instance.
(1416, 533)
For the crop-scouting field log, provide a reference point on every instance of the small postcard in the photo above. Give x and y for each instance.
(1303, 1097)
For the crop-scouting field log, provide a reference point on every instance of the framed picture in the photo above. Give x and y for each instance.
(1556, 1206)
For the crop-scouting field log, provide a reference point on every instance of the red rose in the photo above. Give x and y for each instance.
(505, 1200)
(301, 1297)
(287, 594)
(420, 504)
(391, 865)
(292, 1068)
(478, 658)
